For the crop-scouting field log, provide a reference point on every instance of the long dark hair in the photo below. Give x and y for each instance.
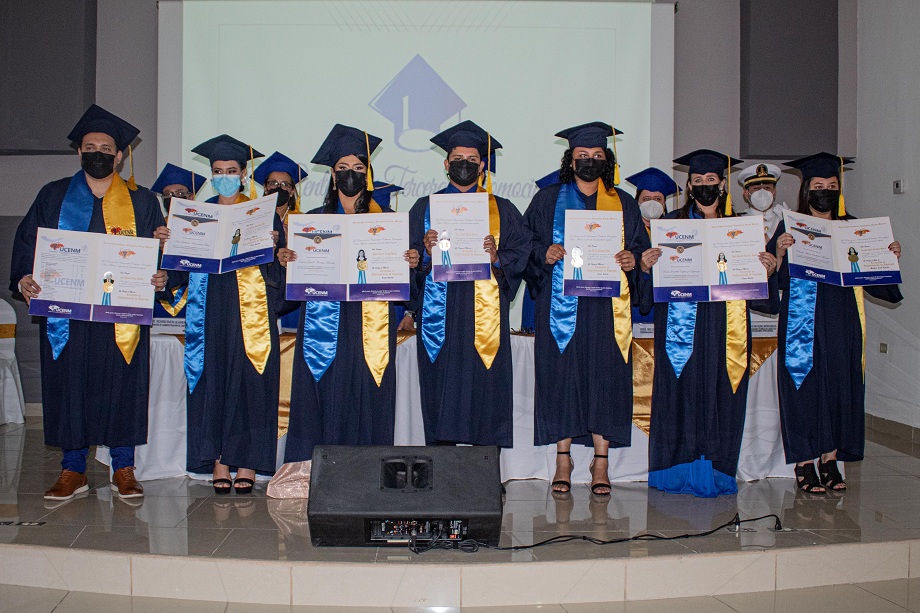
(567, 173)
(690, 204)
(362, 204)
(803, 200)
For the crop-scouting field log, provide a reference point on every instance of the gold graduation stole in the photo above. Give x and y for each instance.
(375, 323)
(487, 300)
(254, 319)
(175, 309)
(118, 215)
(622, 313)
(861, 308)
(736, 349)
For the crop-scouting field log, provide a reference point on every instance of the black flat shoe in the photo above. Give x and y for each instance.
(247, 485)
(220, 491)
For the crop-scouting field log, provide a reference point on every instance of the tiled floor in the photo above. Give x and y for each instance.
(183, 517)
(180, 517)
(898, 596)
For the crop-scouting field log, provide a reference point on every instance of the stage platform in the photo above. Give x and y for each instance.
(183, 542)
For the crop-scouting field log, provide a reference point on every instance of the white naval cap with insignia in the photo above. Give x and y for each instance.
(759, 173)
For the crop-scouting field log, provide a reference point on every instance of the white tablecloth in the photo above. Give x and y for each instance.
(164, 455)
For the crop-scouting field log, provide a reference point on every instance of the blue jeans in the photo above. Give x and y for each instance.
(75, 459)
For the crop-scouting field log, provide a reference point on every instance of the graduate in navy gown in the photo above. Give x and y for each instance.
(821, 344)
(583, 374)
(467, 390)
(174, 182)
(336, 397)
(698, 409)
(94, 389)
(232, 369)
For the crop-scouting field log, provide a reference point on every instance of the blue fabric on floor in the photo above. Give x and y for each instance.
(698, 478)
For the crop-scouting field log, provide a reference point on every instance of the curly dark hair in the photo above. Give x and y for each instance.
(803, 201)
(567, 173)
(689, 203)
(362, 204)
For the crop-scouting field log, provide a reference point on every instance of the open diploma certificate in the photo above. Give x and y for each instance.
(216, 238)
(841, 252)
(462, 223)
(348, 257)
(592, 239)
(94, 277)
(706, 260)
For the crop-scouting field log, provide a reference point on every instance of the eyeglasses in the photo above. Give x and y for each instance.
(181, 193)
(274, 184)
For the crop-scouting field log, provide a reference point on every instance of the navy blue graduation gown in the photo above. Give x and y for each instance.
(828, 411)
(345, 407)
(587, 389)
(462, 401)
(90, 396)
(233, 411)
(699, 414)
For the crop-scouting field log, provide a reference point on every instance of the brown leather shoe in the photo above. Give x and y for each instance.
(68, 484)
(125, 484)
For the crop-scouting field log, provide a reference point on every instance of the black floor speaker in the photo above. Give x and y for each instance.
(373, 496)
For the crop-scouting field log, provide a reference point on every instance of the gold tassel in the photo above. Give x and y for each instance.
(841, 204)
(728, 189)
(488, 154)
(616, 160)
(132, 184)
(194, 194)
(370, 173)
(252, 182)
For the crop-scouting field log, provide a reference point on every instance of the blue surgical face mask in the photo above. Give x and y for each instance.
(226, 185)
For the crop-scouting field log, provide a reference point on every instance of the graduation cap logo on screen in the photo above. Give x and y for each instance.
(417, 101)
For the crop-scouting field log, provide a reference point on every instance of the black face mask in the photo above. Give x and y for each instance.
(350, 182)
(283, 196)
(705, 195)
(823, 200)
(463, 172)
(97, 164)
(589, 169)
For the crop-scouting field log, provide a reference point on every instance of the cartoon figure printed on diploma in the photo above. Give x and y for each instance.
(722, 263)
(577, 262)
(444, 246)
(362, 267)
(235, 242)
(853, 256)
(108, 284)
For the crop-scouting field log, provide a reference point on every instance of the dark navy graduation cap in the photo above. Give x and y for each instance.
(591, 135)
(654, 180)
(550, 179)
(823, 165)
(175, 175)
(703, 161)
(383, 191)
(226, 148)
(278, 162)
(466, 134)
(97, 119)
(343, 141)
(417, 98)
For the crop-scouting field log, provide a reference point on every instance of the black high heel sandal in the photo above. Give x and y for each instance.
(247, 485)
(809, 483)
(595, 486)
(830, 476)
(220, 491)
(566, 484)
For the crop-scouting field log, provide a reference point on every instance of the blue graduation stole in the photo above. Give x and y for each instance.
(194, 327)
(563, 310)
(680, 329)
(800, 331)
(76, 213)
(434, 306)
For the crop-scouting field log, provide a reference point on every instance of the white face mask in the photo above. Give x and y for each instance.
(651, 209)
(761, 200)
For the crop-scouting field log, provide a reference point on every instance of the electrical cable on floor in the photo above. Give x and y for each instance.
(472, 545)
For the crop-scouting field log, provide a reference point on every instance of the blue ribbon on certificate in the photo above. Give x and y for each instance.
(563, 310)
(194, 327)
(679, 334)
(434, 303)
(800, 329)
(76, 213)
